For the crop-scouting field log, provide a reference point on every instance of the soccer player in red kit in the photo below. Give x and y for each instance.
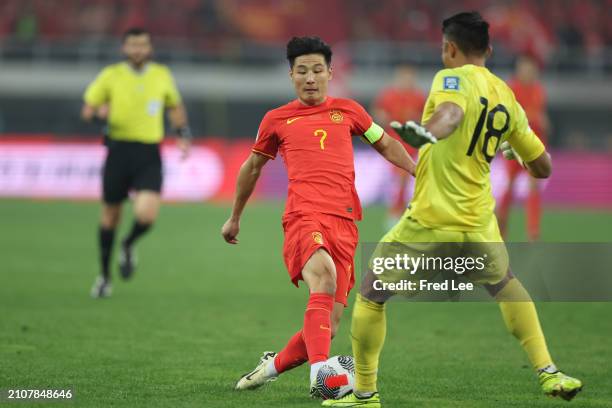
(530, 93)
(402, 101)
(313, 135)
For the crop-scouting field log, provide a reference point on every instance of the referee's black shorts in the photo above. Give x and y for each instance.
(130, 166)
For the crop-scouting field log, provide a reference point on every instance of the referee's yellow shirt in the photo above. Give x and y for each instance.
(136, 100)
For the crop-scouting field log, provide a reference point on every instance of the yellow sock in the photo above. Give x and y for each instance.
(368, 330)
(522, 322)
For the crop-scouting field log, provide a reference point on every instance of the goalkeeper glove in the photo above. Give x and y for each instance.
(510, 154)
(413, 133)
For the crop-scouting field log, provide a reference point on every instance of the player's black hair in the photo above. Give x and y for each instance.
(307, 45)
(133, 31)
(469, 31)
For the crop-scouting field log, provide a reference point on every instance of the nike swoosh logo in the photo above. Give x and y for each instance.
(248, 377)
(290, 121)
(324, 328)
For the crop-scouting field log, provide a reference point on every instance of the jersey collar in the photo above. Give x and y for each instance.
(143, 71)
(324, 104)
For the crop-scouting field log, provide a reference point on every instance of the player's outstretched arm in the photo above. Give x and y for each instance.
(413, 133)
(442, 124)
(446, 118)
(247, 179)
(394, 153)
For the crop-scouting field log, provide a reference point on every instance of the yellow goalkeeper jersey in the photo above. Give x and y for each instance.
(453, 187)
(136, 100)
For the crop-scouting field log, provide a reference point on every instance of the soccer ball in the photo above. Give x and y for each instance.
(336, 377)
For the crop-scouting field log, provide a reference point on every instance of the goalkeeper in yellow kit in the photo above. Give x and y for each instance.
(470, 114)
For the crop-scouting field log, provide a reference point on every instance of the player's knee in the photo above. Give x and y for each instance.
(146, 207)
(148, 219)
(146, 215)
(109, 222)
(110, 217)
(368, 291)
(329, 277)
(327, 282)
(320, 273)
(494, 289)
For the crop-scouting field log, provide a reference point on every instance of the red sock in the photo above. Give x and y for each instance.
(533, 215)
(317, 326)
(294, 354)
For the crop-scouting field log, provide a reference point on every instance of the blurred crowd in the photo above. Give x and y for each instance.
(539, 27)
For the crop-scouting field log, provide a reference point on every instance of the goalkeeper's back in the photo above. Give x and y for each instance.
(453, 189)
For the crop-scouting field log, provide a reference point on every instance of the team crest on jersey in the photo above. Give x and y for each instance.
(451, 83)
(317, 237)
(336, 116)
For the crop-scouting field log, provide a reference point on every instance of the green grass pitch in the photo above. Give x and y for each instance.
(199, 312)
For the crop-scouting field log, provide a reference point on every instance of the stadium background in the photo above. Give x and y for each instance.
(199, 312)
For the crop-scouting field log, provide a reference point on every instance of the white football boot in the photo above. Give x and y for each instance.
(101, 288)
(258, 376)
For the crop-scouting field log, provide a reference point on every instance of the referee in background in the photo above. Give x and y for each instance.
(132, 96)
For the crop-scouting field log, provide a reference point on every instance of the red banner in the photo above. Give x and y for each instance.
(40, 166)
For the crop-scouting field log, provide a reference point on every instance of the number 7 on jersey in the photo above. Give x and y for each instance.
(323, 134)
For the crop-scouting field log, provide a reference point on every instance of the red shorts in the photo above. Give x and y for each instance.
(305, 233)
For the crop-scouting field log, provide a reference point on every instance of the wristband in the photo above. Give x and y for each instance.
(184, 132)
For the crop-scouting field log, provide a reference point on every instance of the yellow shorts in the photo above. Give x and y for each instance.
(441, 251)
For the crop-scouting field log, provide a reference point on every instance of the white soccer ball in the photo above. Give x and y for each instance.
(336, 377)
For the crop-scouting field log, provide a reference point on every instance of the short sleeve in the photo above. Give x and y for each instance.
(172, 97)
(449, 85)
(526, 143)
(267, 142)
(98, 92)
(363, 125)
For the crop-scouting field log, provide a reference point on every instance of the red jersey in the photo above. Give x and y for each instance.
(316, 145)
(401, 105)
(532, 98)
